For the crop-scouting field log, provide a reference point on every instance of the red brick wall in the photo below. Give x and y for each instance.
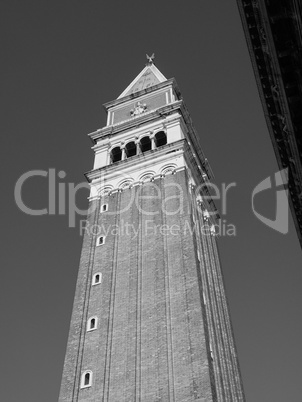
(152, 340)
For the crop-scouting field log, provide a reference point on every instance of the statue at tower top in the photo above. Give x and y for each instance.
(150, 58)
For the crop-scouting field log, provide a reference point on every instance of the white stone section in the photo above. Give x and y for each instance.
(125, 176)
(125, 183)
(171, 125)
(106, 190)
(168, 169)
(107, 177)
(147, 176)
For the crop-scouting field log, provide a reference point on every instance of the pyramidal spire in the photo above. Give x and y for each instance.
(148, 77)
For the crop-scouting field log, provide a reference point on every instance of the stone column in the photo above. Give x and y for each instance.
(123, 152)
(138, 149)
(152, 141)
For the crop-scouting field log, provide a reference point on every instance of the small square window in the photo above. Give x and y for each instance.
(104, 208)
(100, 241)
(92, 323)
(211, 353)
(97, 278)
(86, 379)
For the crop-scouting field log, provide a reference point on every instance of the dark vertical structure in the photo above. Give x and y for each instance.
(150, 320)
(273, 31)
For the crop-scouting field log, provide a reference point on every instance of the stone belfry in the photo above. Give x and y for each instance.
(150, 320)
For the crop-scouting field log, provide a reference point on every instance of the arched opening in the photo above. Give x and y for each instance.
(92, 323)
(160, 138)
(86, 379)
(97, 278)
(125, 184)
(145, 144)
(116, 154)
(130, 149)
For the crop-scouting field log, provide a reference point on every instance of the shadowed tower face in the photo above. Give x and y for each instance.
(150, 320)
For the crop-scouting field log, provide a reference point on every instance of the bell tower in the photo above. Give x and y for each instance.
(150, 320)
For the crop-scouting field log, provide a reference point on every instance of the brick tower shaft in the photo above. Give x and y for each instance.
(150, 319)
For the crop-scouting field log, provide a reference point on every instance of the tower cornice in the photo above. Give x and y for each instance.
(134, 121)
(171, 82)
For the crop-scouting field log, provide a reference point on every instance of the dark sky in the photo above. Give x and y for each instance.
(61, 60)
